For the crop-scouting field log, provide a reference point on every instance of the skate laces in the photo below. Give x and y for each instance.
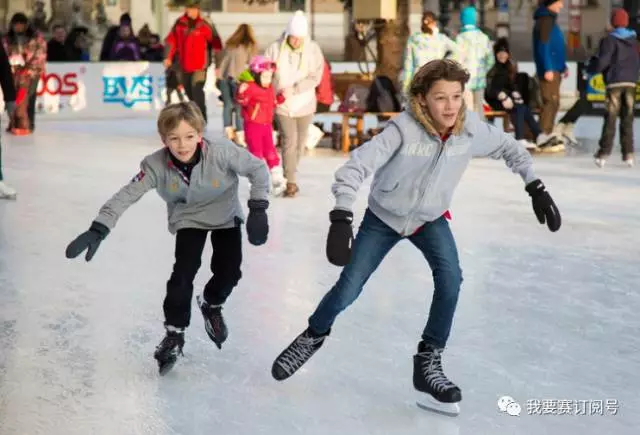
(432, 370)
(172, 341)
(299, 352)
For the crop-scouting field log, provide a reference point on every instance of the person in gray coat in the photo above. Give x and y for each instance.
(198, 179)
(416, 163)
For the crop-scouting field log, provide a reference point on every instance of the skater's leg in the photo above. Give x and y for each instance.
(531, 122)
(268, 147)
(302, 125)
(372, 243)
(517, 116)
(177, 303)
(228, 102)
(578, 109)
(226, 261)
(436, 242)
(225, 265)
(289, 134)
(626, 124)
(612, 106)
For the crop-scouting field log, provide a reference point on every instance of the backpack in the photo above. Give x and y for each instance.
(383, 96)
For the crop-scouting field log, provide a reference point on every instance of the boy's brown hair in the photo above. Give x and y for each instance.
(173, 114)
(423, 80)
(440, 69)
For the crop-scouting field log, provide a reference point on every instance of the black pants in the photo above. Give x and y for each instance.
(225, 265)
(619, 102)
(521, 115)
(194, 87)
(578, 109)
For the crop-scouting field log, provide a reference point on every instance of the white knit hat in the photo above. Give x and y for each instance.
(298, 25)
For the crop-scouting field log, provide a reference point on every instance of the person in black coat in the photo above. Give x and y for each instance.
(111, 36)
(504, 91)
(9, 94)
(56, 50)
(618, 60)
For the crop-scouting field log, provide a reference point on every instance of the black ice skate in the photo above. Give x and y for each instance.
(169, 349)
(296, 354)
(213, 322)
(441, 395)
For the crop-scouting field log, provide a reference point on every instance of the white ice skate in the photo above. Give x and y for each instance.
(7, 192)
(435, 391)
(528, 145)
(600, 162)
(278, 182)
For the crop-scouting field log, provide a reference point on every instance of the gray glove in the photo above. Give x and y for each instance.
(10, 107)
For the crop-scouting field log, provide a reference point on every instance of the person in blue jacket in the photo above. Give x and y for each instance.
(550, 58)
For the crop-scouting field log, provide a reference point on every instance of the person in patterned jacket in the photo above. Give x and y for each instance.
(477, 53)
(27, 52)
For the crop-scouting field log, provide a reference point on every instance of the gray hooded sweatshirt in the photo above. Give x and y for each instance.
(208, 201)
(415, 173)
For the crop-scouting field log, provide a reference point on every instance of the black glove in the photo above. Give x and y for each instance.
(89, 240)
(257, 222)
(340, 237)
(543, 206)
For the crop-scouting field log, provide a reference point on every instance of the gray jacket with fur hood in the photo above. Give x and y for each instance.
(208, 201)
(415, 173)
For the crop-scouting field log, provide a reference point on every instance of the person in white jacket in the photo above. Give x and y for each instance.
(300, 63)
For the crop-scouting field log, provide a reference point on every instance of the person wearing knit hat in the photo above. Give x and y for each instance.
(300, 65)
(551, 62)
(619, 61)
(477, 57)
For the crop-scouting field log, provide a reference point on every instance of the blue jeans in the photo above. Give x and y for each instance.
(373, 241)
(521, 114)
(228, 91)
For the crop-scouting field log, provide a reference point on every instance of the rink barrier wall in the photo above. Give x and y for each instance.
(117, 90)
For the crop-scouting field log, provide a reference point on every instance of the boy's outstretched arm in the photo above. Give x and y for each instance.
(111, 211)
(489, 141)
(364, 161)
(242, 162)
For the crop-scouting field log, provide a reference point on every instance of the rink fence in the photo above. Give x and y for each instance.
(137, 89)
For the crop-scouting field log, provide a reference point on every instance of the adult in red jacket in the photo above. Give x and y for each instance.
(191, 41)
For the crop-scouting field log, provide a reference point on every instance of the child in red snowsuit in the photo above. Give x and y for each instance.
(258, 100)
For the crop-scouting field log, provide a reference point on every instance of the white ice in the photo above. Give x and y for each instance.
(548, 316)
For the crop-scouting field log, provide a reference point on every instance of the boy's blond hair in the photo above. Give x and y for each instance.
(173, 114)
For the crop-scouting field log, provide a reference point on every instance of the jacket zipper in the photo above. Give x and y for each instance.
(425, 187)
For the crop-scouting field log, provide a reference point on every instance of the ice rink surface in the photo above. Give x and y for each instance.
(542, 316)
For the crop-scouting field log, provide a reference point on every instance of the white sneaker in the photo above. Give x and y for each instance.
(240, 139)
(528, 145)
(278, 182)
(7, 192)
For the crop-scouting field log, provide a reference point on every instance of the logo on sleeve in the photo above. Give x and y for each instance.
(139, 176)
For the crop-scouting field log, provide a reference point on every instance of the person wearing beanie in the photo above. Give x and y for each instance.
(300, 64)
(426, 45)
(477, 55)
(111, 36)
(551, 62)
(619, 61)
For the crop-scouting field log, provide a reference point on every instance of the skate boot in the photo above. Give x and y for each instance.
(240, 140)
(441, 395)
(291, 190)
(213, 322)
(569, 136)
(169, 349)
(549, 143)
(278, 182)
(628, 160)
(7, 192)
(600, 161)
(296, 354)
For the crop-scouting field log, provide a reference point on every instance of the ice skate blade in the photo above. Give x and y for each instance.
(165, 367)
(428, 403)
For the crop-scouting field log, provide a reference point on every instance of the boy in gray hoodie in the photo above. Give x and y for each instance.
(198, 180)
(416, 163)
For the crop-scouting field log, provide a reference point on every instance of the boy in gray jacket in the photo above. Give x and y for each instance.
(417, 162)
(198, 180)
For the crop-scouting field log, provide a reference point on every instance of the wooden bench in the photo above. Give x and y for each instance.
(345, 141)
(492, 115)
